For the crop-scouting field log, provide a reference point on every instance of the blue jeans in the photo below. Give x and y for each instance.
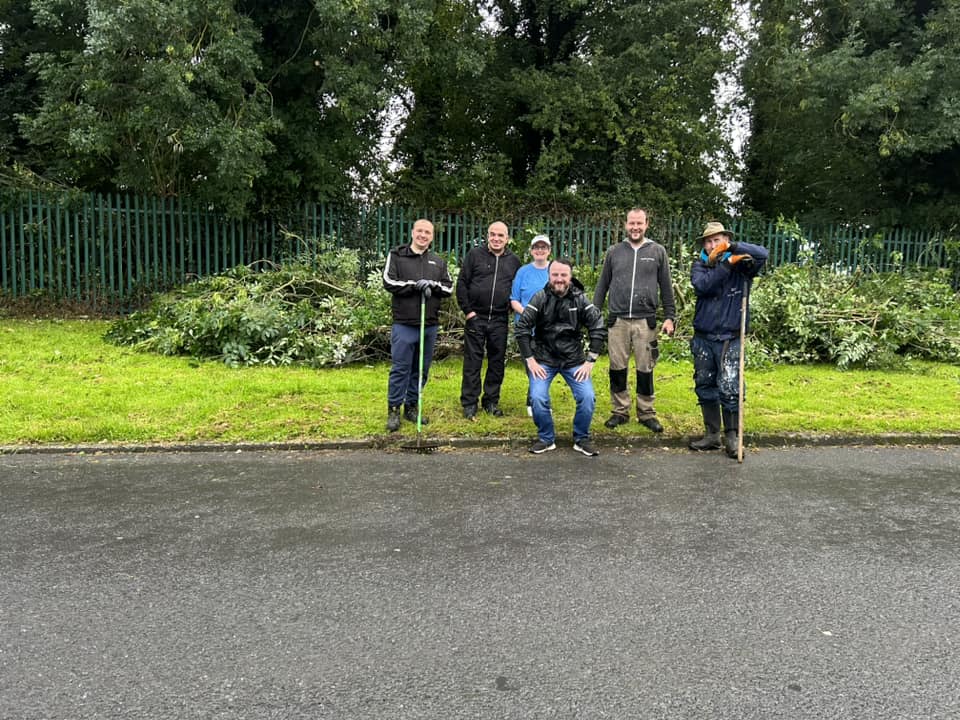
(403, 388)
(582, 394)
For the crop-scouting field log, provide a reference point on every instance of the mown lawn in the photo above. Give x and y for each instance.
(62, 383)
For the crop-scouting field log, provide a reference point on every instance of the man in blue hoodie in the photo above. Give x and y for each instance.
(721, 276)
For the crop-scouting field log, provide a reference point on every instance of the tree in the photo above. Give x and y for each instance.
(256, 105)
(162, 98)
(331, 68)
(19, 87)
(570, 104)
(444, 153)
(873, 85)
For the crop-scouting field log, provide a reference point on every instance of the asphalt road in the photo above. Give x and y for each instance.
(805, 583)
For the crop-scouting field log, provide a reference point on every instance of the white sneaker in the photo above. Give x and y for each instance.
(586, 447)
(541, 447)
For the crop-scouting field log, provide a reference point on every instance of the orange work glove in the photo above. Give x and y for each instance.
(718, 250)
(744, 260)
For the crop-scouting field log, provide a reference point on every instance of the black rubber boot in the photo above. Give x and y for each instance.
(393, 419)
(731, 425)
(711, 424)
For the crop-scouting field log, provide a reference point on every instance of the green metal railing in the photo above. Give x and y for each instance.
(115, 249)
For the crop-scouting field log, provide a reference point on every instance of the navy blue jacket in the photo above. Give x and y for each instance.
(719, 290)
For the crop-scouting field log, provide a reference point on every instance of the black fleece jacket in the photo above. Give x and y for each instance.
(404, 267)
(485, 282)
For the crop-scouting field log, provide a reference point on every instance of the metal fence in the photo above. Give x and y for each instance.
(113, 250)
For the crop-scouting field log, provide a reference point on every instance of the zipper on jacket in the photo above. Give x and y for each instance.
(493, 287)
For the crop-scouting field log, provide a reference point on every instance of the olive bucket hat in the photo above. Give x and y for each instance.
(713, 228)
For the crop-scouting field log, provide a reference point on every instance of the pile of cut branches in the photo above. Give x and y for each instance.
(801, 313)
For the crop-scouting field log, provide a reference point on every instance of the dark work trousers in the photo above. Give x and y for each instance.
(483, 337)
(716, 371)
(403, 387)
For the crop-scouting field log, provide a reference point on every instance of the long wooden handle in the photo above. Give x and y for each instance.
(743, 352)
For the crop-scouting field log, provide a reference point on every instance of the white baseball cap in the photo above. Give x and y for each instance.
(540, 239)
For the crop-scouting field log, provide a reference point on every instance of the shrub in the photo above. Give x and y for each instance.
(319, 309)
(313, 310)
(800, 313)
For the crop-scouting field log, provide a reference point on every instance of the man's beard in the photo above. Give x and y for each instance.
(562, 290)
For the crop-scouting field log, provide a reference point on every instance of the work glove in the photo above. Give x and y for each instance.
(424, 285)
(744, 261)
(722, 246)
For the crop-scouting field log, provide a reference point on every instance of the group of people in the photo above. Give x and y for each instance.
(553, 315)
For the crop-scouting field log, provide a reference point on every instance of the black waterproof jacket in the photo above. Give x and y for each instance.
(551, 327)
(404, 267)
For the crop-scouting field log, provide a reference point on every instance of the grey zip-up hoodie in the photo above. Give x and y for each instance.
(638, 280)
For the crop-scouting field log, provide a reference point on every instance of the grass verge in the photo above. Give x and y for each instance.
(62, 383)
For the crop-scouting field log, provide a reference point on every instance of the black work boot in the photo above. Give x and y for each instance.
(410, 413)
(711, 424)
(493, 409)
(393, 419)
(731, 425)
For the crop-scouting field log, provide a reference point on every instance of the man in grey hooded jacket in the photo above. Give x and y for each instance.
(635, 281)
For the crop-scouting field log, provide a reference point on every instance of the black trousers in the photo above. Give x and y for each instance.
(482, 337)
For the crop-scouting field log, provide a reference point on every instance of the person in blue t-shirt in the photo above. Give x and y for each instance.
(531, 277)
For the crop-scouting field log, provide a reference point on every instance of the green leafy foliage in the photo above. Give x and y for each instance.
(322, 308)
(332, 69)
(162, 99)
(870, 81)
(800, 313)
(21, 36)
(314, 309)
(567, 105)
(318, 309)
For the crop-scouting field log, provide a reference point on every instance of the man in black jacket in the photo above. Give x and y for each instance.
(550, 335)
(411, 273)
(483, 293)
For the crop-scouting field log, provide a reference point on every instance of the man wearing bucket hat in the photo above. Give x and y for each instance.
(636, 272)
(722, 276)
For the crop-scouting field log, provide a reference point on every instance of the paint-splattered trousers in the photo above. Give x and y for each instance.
(716, 371)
